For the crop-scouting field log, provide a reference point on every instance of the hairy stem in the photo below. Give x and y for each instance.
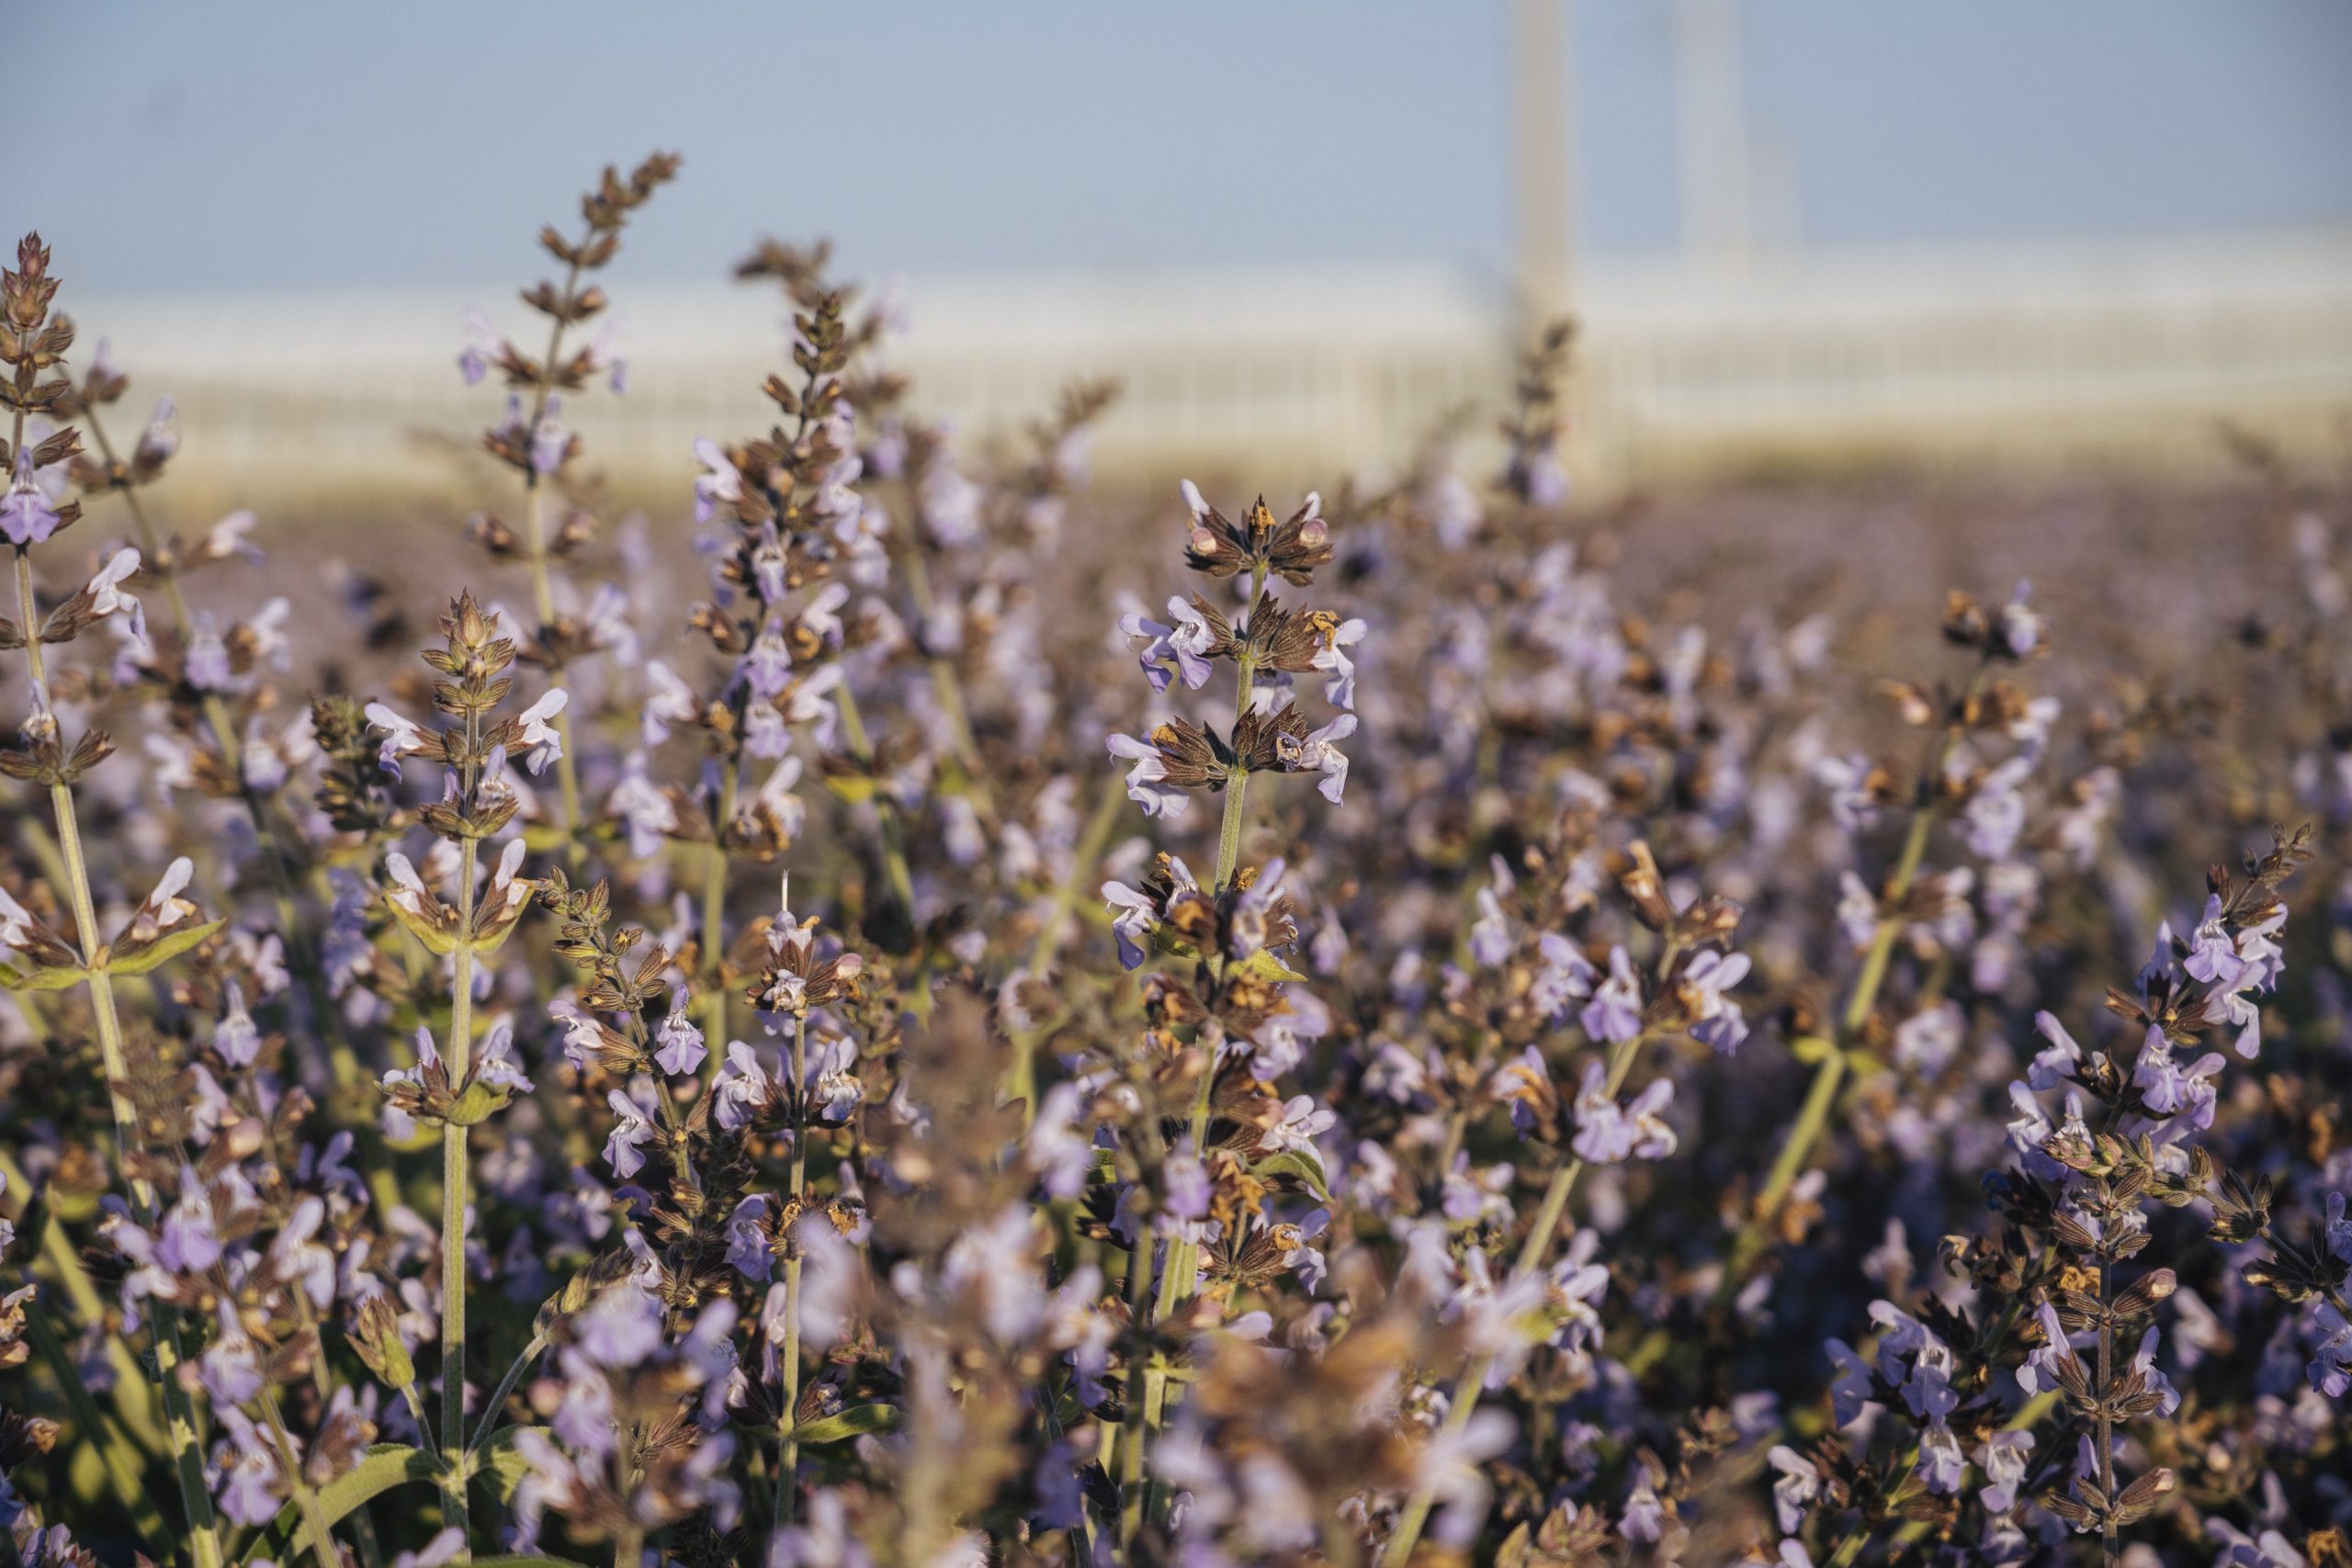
(1131, 1487)
(714, 913)
(894, 832)
(788, 1459)
(453, 1200)
(2104, 1421)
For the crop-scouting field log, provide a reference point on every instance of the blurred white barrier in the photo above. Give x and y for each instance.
(2128, 353)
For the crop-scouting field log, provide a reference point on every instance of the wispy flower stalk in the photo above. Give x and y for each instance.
(36, 343)
(534, 441)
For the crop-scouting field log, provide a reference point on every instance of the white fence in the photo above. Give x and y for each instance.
(2127, 353)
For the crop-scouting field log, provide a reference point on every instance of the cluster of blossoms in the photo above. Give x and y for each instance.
(749, 1057)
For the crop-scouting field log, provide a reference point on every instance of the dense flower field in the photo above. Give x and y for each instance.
(875, 1019)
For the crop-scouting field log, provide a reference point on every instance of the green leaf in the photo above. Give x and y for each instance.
(854, 788)
(40, 979)
(478, 1103)
(386, 1466)
(854, 1422)
(437, 942)
(502, 1469)
(1264, 965)
(168, 946)
(1297, 1163)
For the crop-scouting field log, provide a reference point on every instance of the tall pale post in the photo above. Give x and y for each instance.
(1715, 157)
(1542, 168)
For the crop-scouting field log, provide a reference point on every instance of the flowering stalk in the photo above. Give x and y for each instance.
(36, 342)
(1463, 1400)
(1228, 836)
(1835, 1056)
(536, 443)
(449, 1086)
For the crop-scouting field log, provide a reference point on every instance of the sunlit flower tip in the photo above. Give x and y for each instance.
(443, 1548)
(403, 735)
(104, 590)
(1147, 785)
(1319, 752)
(19, 932)
(539, 734)
(1200, 509)
(1134, 918)
(408, 890)
(1339, 670)
(164, 907)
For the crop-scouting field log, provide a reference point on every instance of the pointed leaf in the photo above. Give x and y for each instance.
(387, 1465)
(44, 979)
(170, 945)
(438, 942)
(854, 1422)
(1297, 1163)
(1262, 965)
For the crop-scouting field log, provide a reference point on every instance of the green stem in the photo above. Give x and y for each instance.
(2105, 1419)
(714, 912)
(894, 834)
(1179, 1281)
(1797, 1146)
(1131, 1487)
(453, 1506)
(204, 1544)
(787, 1458)
(1229, 834)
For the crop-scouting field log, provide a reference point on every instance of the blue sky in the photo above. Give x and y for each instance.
(305, 145)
